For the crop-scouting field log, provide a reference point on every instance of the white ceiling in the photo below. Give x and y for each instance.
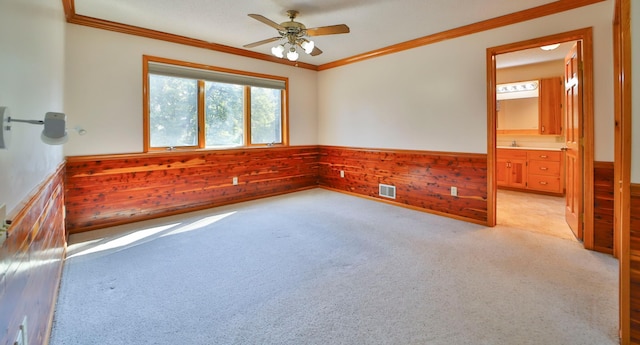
(374, 24)
(533, 55)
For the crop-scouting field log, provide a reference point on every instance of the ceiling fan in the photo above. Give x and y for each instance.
(295, 34)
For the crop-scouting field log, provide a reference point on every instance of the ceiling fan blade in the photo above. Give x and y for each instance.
(328, 30)
(267, 21)
(316, 51)
(259, 43)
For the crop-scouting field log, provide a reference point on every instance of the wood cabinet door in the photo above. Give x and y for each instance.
(550, 106)
(518, 173)
(502, 172)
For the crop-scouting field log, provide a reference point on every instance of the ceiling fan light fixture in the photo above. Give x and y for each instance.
(550, 47)
(295, 34)
(278, 51)
(308, 46)
(292, 55)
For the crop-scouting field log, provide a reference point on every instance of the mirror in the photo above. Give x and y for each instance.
(517, 114)
(517, 107)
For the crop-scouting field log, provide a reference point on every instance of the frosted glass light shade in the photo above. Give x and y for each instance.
(308, 46)
(278, 51)
(292, 55)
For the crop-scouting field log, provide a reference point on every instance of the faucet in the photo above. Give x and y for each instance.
(514, 144)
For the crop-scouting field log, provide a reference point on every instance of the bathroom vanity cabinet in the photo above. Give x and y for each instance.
(533, 170)
(511, 168)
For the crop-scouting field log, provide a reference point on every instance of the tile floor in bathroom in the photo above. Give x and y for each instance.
(533, 212)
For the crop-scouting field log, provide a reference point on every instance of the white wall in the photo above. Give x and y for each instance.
(104, 88)
(635, 75)
(547, 69)
(434, 97)
(31, 83)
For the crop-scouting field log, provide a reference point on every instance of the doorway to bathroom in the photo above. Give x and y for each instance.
(540, 170)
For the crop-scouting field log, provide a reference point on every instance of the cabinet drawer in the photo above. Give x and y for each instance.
(544, 168)
(511, 154)
(544, 183)
(551, 156)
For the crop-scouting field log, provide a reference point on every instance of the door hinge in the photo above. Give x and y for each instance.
(581, 218)
(581, 141)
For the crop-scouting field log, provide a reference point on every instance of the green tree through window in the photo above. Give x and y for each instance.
(173, 111)
(194, 106)
(266, 107)
(224, 114)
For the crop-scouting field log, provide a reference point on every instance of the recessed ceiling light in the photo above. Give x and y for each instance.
(550, 47)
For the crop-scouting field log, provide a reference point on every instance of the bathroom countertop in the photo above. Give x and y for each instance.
(529, 148)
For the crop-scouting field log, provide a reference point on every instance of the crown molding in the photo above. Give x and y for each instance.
(493, 23)
(74, 18)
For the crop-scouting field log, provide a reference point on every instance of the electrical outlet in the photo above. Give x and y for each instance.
(342, 173)
(454, 191)
(235, 181)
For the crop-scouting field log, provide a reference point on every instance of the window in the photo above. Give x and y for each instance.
(189, 106)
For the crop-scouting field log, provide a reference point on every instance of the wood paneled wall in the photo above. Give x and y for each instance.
(635, 264)
(32, 258)
(110, 190)
(423, 179)
(603, 207)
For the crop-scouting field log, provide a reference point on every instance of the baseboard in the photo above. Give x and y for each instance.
(411, 207)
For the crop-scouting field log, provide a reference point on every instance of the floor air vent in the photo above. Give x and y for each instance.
(387, 191)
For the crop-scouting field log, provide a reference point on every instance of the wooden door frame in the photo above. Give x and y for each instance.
(586, 36)
(622, 159)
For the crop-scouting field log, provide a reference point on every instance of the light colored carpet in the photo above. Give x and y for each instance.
(319, 267)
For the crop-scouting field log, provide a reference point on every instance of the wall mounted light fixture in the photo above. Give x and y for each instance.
(523, 89)
(54, 132)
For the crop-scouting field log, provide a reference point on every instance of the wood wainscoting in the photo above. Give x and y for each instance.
(110, 190)
(423, 179)
(32, 259)
(634, 251)
(603, 207)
